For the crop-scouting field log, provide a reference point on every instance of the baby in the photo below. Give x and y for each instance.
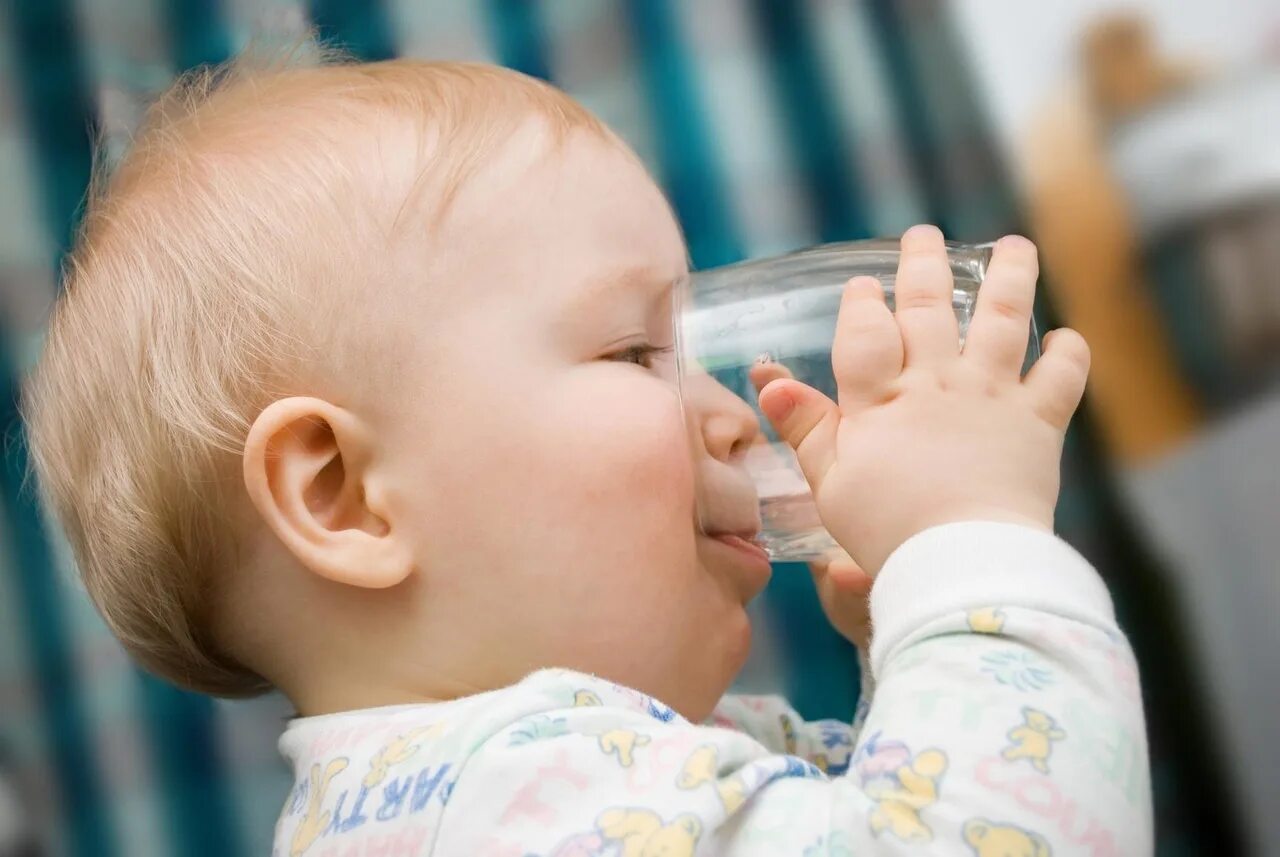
(361, 388)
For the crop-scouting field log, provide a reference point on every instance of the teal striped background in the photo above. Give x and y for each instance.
(771, 124)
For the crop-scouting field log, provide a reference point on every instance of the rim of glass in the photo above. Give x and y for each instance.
(967, 260)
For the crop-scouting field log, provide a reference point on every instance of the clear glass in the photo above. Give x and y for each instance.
(783, 309)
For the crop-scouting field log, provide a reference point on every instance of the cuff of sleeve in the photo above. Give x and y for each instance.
(963, 566)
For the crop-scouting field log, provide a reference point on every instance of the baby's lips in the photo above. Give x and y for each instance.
(750, 535)
(718, 527)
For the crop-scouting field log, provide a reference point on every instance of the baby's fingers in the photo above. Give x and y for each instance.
(762, 373)
(842, 571)
(1002, 318)
(867, 354)
(807, 420)
(1056, 381)
(922, 307)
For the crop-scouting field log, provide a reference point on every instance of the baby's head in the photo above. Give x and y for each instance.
(357, 389)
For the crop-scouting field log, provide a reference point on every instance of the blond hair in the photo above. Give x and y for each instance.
(197, 290)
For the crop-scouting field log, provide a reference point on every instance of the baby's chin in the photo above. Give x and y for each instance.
(740, 578)
(730, 656)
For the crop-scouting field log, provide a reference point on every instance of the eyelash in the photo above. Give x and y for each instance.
(639, 354)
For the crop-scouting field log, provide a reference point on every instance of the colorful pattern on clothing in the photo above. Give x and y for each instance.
(950, 757)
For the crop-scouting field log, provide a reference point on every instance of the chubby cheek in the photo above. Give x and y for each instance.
(624, 459)
(579, 507)
(597, 468)
(650, 490)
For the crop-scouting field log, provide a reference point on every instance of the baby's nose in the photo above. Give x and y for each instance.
(728, 424)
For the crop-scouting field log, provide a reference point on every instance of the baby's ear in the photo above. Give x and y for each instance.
(307, 468)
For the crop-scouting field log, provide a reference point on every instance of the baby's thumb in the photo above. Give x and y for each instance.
(807, 420)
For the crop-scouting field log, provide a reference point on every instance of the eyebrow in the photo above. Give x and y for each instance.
(651, 281)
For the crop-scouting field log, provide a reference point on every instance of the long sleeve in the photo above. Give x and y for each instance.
(1006, 719)
(1002, 677)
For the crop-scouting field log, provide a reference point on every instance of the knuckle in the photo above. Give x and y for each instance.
(912, 301)
(1007, 308)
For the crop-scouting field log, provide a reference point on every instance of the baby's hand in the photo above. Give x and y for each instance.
(924, 434)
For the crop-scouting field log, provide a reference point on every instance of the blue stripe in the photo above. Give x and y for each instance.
(819, 150)
(519, 41)
(978, 204)
(197, 30)
(60, 120)
(192, 786)
(359, 26)
(79, 783)
(904, 84)
(57, 108)
(822, 675)
(686, 162)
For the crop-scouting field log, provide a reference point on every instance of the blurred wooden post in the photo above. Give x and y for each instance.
(1091, 255)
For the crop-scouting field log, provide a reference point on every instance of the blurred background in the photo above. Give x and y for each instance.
(1136, 143)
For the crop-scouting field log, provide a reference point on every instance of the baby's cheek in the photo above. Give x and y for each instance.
(651, 453)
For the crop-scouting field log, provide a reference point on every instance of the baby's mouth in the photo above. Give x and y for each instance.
(747, 541)
(728, 513)
(746, 555)
(749, 535)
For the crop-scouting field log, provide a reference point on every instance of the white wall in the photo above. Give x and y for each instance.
(1024, 52)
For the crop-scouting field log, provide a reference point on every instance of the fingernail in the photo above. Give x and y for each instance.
(1016, 241)
(922, 231)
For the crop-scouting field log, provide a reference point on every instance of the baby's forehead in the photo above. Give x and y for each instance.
(286, 180)
(415, 131)
(562, 218)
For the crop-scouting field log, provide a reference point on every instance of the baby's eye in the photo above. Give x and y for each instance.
(641, 355)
